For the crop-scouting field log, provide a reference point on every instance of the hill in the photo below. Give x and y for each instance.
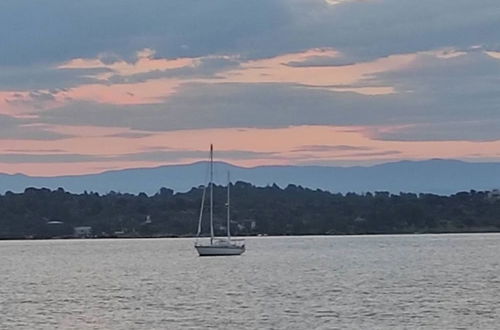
(430, 176)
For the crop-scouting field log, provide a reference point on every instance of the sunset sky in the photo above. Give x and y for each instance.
(93, 85)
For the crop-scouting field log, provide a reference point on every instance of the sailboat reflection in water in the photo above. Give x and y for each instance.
(217, 246)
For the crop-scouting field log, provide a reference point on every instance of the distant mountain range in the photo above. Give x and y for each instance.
(432, 176)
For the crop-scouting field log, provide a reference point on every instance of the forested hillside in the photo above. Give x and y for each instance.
(42, 213)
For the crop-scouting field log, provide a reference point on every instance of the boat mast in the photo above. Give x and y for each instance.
(201, 210)
(211, 193)
(228, 207)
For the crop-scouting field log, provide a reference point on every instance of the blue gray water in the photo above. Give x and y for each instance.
(349, 282)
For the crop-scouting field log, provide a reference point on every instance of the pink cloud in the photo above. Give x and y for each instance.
(148, 92)
(272, 70)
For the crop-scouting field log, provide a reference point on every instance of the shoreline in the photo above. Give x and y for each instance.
(484, 231)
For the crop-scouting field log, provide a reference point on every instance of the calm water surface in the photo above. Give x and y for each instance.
(349, 282)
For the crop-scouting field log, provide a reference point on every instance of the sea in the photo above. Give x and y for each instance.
(445, 281)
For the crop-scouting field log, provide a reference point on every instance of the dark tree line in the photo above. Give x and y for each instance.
(294, 210)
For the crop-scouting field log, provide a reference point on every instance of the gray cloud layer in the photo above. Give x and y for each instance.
(48, 32)
(235, 105)
(20, 129)
(40, 77)
(451, 98)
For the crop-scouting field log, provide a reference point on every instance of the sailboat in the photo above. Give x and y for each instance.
(217, 246)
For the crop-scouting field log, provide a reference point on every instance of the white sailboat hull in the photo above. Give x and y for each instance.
(211, 250)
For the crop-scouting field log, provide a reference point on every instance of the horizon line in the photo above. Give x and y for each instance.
(253, 167)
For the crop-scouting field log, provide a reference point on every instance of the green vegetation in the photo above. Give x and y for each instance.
(41, 213)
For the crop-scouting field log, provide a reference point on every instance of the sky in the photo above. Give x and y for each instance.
(89, 86)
